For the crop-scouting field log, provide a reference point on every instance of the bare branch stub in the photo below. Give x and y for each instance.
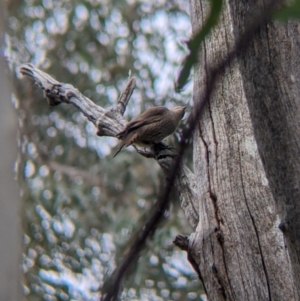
(117, 112)
(183, 243)
(125, 96)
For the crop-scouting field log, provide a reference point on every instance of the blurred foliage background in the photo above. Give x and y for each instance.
(80, 206)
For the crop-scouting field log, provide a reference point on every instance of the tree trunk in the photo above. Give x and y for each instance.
(246, 159)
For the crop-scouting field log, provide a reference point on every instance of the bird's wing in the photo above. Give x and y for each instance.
(152, 115)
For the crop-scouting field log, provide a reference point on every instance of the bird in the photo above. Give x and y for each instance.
(151, 127)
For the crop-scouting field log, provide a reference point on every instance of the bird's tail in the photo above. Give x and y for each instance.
(128, 140)
(119, 148)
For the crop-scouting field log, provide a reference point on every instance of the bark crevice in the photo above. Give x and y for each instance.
(216, 234)
(254, 225)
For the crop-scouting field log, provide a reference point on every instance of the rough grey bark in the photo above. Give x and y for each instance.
(271, 83)
(10, 226)
(245, 161)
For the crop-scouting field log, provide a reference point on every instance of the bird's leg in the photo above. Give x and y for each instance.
(161, 146)
(144, 152)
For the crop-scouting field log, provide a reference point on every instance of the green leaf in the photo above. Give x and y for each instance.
(195, 42)
(288, 12)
